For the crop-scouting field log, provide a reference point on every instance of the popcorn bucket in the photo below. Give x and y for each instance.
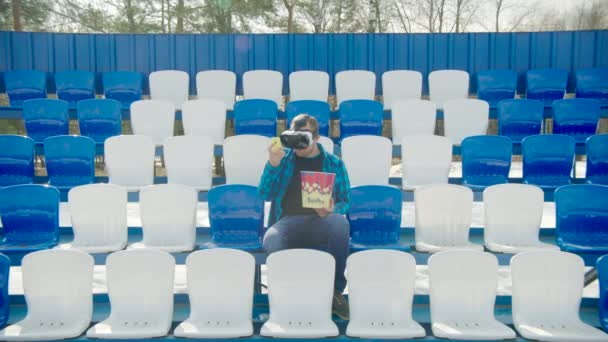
(317, 188)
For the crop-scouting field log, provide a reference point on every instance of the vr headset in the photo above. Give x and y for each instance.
(296, 139)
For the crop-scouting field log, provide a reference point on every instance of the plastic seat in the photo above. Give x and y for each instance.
(236, 217)
(98, 214)
(462, 288)
(592, 83)
(99, 119)
(327, 143)
(70, 160)
(512, 218)
(581, 218)
(140, 288)
(300, 289)
(308, 85)
(122, 86)
(205, 117)
(218, 85)
(5, 265)
(519, 118)
(130, 161)
(58, 289)
(45, 118)
(360, 117)
(445, 85)
(548, 160)
(168, 218)
(547, 289)
(263, 84)
(319, 110)
(412, 117)
(170, 85)
(189, 161)
(257, 116)
(425, 159)
(496, 85)
(380, 298)
(30, 218)
(153, 118)
(245, 157)
(597, 159)
(546, 85)
(361, 152)
(464, 118)
(22, 85)
(355, 85)
(375, 218)
(443, 218)
(220, 305)
(578, 118)
(399, 85)
(602, 270)
(75, 86)
(16, 160)
(486, 160)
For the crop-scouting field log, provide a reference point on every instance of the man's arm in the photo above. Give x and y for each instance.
(342, 190)
(269, 183)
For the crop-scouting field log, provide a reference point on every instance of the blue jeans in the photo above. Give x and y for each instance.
(329, 234)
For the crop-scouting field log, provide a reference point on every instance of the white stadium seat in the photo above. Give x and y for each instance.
(445, 85)
(245, 157)
(355, 85)
(308, 85)
(130, 161)
(327, 143)
(465, 118)
(189, 161)
(170, 85)
(412, 117)
(218, 85)
(153, 118)
(205, 117)
(426, 159)
(400, 85)
(263, 84)
(367, 159)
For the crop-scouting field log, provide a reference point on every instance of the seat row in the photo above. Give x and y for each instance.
(463, 285)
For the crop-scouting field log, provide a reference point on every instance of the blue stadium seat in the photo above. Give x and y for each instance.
(602, 271)
(546, 85)
(375, 218)
(5, 264)
(486, 160)
(16, 160)
(24, 85)
(494, 86)
(318, 109)
(99, 119)
(519, 118)
(70, 161)
(74, 86)
(30, 218)
(256, 116)
(592, 83)
(123, 86)
(360, 117)
(582, 218)
(597, 159)
(548, 160)
(576, 117)
(236, 217)
(45, 118)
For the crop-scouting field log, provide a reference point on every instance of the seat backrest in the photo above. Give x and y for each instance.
(76, 85)
(256, 116)
(375, 214)
(23, 85)
(123, 86)
(319, 110)
(206, 117)
(263, 84)
(462, 286)
(512, 214)
(189, 161)
(99, 215)
(367, 159)
(218, 85)
(5, 265)
(443, 214)
(486, 159)
(602, 271)
(576, 117)
(99, 119)
(426, 159)
(546, 85)
(355, 85)
(236, 213)
(327, 143)
(359, 117)
(16, 160)
(592, 83)
(45, 118)
(412, 117)
(70, 160)
(496, 85)
(168, 215)
(398, 85)
(30, 214)
(245, 157)
(308, 85)
(519, 118)
(130, 160)
(445, 85)
(153, 118)
(170, 85)
(547, 157)
(464, 118)
(597, 159)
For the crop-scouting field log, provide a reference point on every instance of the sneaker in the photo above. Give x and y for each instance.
(340, 306)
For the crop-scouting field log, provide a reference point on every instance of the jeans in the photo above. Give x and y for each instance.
(329, 234)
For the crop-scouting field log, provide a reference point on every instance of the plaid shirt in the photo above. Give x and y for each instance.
(275, 181)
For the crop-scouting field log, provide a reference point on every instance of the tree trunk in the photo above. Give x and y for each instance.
(162, 16)
(440, 13)
(289, 8)
(339, 14)
(498, 8)
(431, 15)
(130, 11)
(17, 24)
(458, 14)
(179, 12)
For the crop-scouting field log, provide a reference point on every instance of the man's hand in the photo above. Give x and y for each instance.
(324, 212)
(275, 154)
